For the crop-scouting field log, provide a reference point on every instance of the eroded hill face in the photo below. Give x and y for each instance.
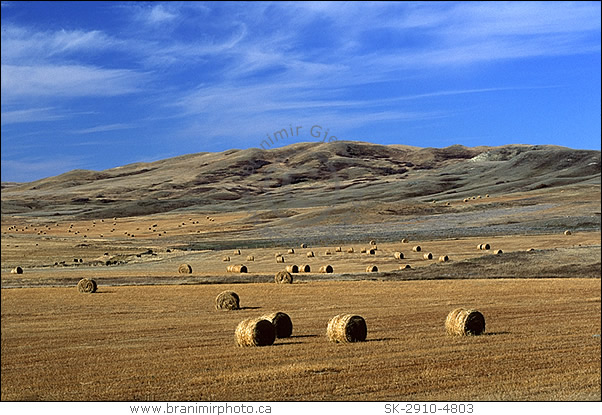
(301, 176)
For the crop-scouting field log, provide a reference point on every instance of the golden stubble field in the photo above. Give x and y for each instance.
(542, 342)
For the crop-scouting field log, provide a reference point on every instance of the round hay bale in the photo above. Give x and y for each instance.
(480, 246)
(531, 250)
(280, 259)
(283, 277)
(405, 266)
(371, 251)
(303, 245)
(227, 300)
(237, 252)
(282, 323)
(487, 195)
(239, 268)
(305, 268)
(338, 249)
(443, 258)
(255, 332)
(372, 242)
(350, 250)
(417, 248)
(310, 254)
(250, 258)
(346, 328)
(567, 232)
(293, 269)
(16, 270)
(498, 252)
(291, 251)
(326, 269)
(398, 255)
(464, 322)
(405, 241)
(372, 268)
(87, 285)
(226, 258)
(486, 247)
(184, 269)
(427, 255)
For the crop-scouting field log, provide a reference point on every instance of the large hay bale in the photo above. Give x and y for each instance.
(417, 248)
(16, 270)
(293, 269)
(227, 300)
(464, 322)
(326, 269)
(87, 285)
(372, 268)
(255, 332)
(239, 268)
(291, 251)
(280, 259)
(184, 269)
(283, 277)
(427, 255)
(282, 323)
(443, 258)
(346, 328)
(567, 232)
(310, 254)
(305, 268)
(398, 255)
(350, 250)
(250, 258)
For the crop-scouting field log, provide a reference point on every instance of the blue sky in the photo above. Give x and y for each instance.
(96, 85)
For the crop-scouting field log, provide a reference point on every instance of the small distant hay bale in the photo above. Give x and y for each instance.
(405, 266)
(239, 268)
(283, 277)
(16, 270)
(326, 269)
(250, 258)
(227, 300)
(347, 328)
(303, 245)
(531, 250)
(498, 252)
(465, 200)
(428, 255)
(363, 250)
(328, 252)
(87, 285)
(185, 269)
(567, 232)
(443, 258)
(280, 259)
(282, 323)
(465, 322)
(350, 250)
(237, 252)
(255, 332)
(485, 247)
(305, 268)
(291, 251)
(310, 254)
(226, 258)
(480, 246)
(417, 248)
(277, 254)
(405, 241)
(338, 249)
(372, 242)
(372, 268)
(398, 255)
(487, 195)
(371, 251)
(293, 269)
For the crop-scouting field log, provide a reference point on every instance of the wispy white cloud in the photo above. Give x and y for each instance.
(104, 128)
(30, 115)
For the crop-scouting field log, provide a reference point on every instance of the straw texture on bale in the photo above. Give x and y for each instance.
(443, 258)
(280, 259)
(293, 269)
(427, 255)
(310, 254)
(398, 255)
(227, 300)
(226, 258)
(326, 269)
(346, 328)
(417, 248)
(185, 269)
(372, 268)
(567, 232)
(16, 270)
(240, 268)
(283, 277)
(464, 322)
(86, 285)
(255, 332)
(282, 323)
(305, 268)
(250, 258)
